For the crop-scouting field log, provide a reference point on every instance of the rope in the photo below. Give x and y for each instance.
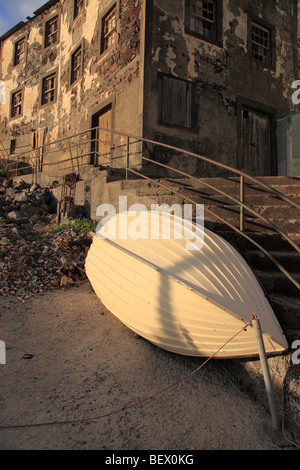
(125, 408)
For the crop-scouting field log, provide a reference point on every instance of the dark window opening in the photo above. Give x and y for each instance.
(203, 18)
(78, 7)
(19, 51)
(261, 43)
(109, 30)
(49, 89)
(16, 104)
(51, 31)
(76, 64)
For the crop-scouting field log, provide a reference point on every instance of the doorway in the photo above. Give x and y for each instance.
(102, 123)
(257, 140)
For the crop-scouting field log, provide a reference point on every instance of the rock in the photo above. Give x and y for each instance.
(29, 210)
(15, 214)
(34, 187)
(15, 230)
(21, 197)
(34, 259)
(64, 281)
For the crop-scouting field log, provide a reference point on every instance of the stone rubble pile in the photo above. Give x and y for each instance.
(34, 257)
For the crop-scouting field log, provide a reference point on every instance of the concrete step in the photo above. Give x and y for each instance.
(290, 260)
(269, 241)
(277, 283)
(253, 225)
(287, 310)
(267, 212)
(254, 200)
(288, 186)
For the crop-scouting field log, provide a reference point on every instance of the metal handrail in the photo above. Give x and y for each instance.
(243, 176)
(176, 149)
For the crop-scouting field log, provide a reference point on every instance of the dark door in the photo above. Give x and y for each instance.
(102, 137)
(256, 145)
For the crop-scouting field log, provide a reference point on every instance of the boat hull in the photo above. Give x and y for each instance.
(174, 311)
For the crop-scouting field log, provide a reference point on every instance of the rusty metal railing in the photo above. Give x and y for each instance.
(120, 155)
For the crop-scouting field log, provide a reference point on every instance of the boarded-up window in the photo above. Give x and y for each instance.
(176, 102)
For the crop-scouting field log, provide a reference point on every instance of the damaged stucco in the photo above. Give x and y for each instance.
(115, 74)
(220, 74)
(153, 40)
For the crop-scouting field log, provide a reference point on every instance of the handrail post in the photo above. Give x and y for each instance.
(242, 200)
(266, 371)
(127, 157)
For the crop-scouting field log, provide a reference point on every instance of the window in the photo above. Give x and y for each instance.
(109, 30)
(78, 7)
(261, 42)
(51, 31)
(76, 64)
(176, 102)
(20, 50)
(49, 89)
(203, 19)
(16, 103)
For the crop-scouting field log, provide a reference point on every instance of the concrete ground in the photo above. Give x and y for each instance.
(74, 376)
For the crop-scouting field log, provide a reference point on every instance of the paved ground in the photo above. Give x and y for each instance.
(68, 359)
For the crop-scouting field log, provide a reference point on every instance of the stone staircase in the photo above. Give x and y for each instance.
(282, 293)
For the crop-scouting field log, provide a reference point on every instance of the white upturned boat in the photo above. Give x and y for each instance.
(186, 301)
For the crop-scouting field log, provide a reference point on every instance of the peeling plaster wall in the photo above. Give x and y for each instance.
(220, 73)
(115, 74)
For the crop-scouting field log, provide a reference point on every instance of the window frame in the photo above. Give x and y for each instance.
(43, 78)
(77, 11)
(75, 50)
(13, 93)
(192, 117)
(16, 42)
(218, 39)
(272, 53)
(113, 6)
(46, 23)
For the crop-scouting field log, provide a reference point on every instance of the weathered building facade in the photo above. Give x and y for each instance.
(212, 77)
(236, 59)
(73, 66)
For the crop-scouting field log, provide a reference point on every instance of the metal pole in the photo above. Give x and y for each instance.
(127, 156)
(242, 197)
(266, 372)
